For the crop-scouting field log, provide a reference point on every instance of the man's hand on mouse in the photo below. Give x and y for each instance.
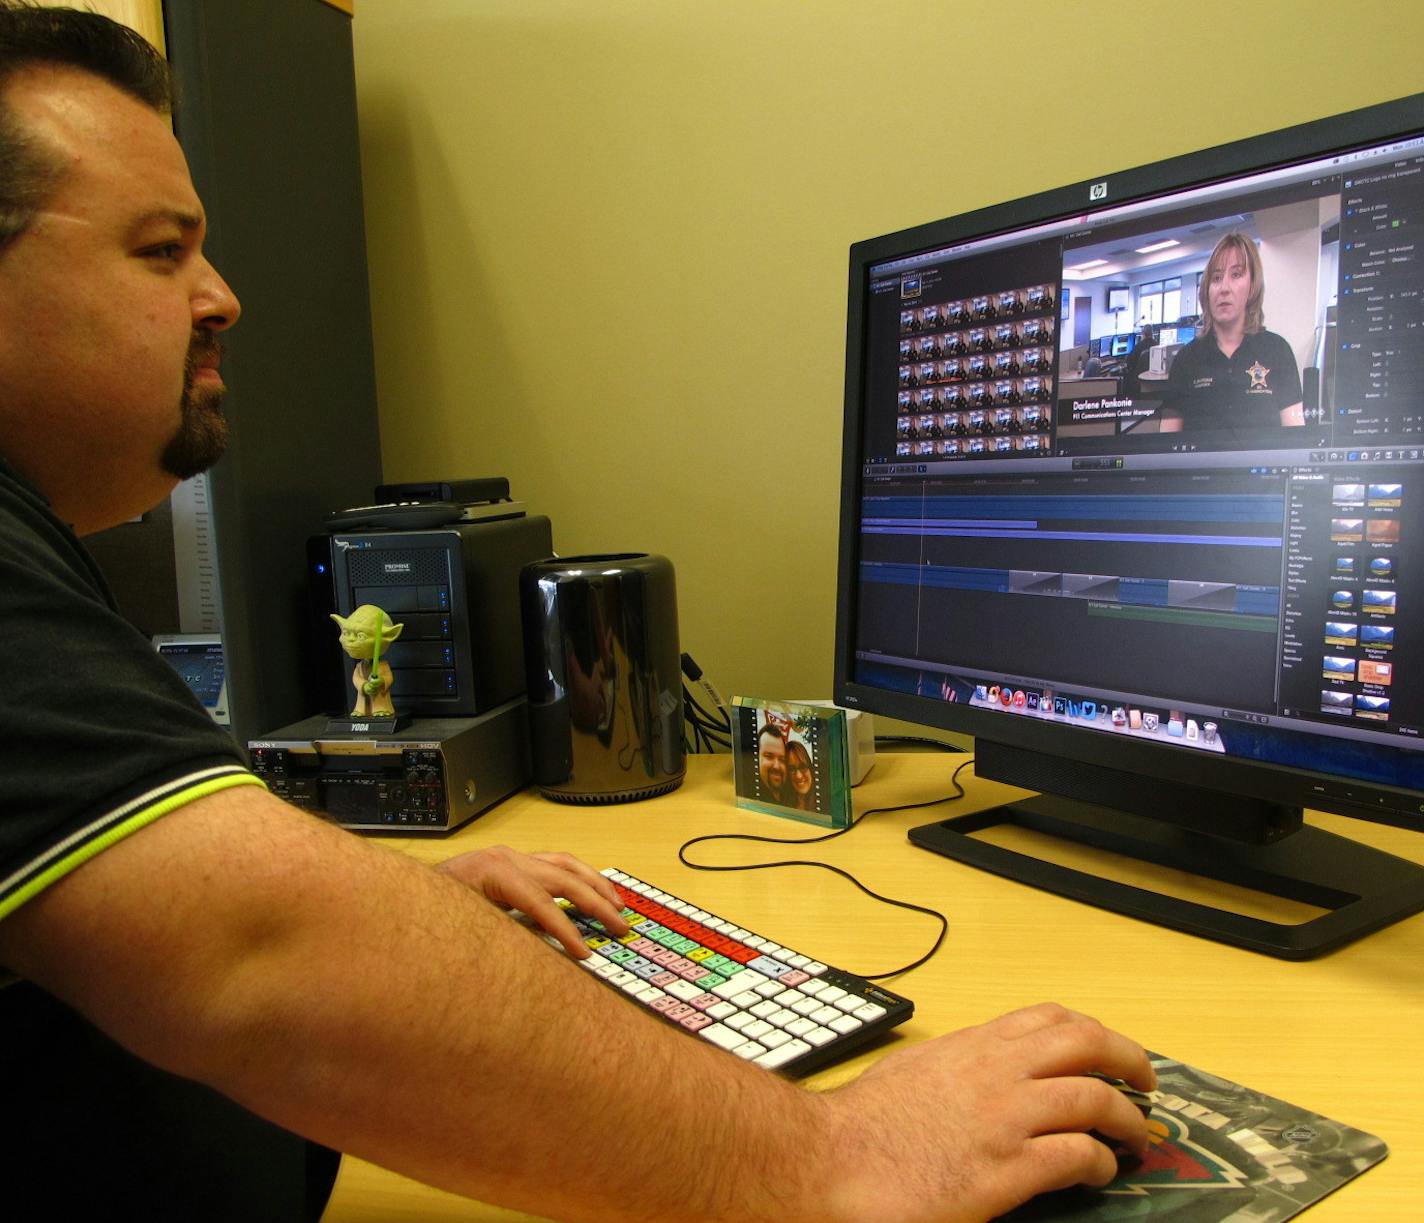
(530, 882)
(969, 1125)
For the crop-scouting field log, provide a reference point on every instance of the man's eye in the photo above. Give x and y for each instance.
(171, 252)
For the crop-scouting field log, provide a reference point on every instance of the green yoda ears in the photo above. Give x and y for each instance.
(367, 632)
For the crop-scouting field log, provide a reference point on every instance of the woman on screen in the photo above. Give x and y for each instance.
(1235, 375)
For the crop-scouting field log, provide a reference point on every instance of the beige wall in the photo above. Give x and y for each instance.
(608, 238)
(145, 16)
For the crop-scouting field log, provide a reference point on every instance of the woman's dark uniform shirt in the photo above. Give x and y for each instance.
(1242, 393)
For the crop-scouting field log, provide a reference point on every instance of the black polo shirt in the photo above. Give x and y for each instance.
(1240, 394)
(99, 738)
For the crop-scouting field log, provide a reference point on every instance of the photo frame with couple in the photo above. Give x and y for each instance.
(790, 759)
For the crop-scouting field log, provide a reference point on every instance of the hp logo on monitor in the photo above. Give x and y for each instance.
(1098, 191)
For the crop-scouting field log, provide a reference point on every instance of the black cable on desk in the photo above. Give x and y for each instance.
(836, 870)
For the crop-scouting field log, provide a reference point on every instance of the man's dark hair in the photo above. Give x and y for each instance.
(65, 38)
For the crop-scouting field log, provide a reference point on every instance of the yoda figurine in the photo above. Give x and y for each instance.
(365, 634)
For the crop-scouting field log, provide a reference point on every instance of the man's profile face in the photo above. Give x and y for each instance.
(109, 389)
(771, 760)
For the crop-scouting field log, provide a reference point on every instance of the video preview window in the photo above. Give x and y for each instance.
(1205, 330)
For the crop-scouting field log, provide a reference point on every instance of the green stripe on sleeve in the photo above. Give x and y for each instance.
(140, 819)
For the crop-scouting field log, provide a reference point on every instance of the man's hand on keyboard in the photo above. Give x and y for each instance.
(530, 882)
(971, 1124)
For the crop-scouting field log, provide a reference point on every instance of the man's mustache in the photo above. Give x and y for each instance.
(205, 348)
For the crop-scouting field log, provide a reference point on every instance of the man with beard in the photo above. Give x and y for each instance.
(193, 954)
(771, 764)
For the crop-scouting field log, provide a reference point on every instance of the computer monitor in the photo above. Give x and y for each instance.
(198, 658)
(1171, 578)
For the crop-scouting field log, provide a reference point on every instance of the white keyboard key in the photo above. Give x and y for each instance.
(774, 1037)
(782, 1018)
(849, 1003)
(763, 1009)
(820, 1036)
(823, 1015)
(744, 980)
(799, 1027)
(649, 995)
(699, 915)
(754, 941)
(749, 1051)
(868, 1012)
(721, 1010)
(757, 1029)
(844, 1025)
(747, 1001)
(722, 1037)
(831, 993)
(767, 948)
(800, 961)
(815, 968)
(684, 991)
(739, 1021)
(769, 989)
(804, 1006)
(814, 988)
(779, 1057)
(788, 997)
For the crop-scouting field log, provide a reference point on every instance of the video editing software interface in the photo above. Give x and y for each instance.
(1074, 509)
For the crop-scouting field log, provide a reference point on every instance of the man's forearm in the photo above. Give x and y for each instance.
(378, 1006)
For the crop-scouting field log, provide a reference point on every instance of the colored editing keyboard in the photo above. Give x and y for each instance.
(760, 1001)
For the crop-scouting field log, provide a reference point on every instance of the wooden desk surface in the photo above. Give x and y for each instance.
(1342, 1036)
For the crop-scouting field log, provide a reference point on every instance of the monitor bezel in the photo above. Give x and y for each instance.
(1318, 138)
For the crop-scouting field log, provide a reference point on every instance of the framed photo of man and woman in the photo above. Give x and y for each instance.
(790, 759)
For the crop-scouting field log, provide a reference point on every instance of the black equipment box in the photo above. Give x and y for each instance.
(431, 777)
(490, 488)
(456, 591)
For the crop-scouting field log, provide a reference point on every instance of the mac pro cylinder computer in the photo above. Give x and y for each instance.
(1170, 572)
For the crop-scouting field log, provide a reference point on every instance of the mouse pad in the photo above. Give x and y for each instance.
(1220, 1152)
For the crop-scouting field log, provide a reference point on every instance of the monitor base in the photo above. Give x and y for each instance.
(1364, 889)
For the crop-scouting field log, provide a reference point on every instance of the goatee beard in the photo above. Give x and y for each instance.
(202, 431)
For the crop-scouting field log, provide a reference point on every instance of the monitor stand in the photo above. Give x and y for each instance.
(1364, 889)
